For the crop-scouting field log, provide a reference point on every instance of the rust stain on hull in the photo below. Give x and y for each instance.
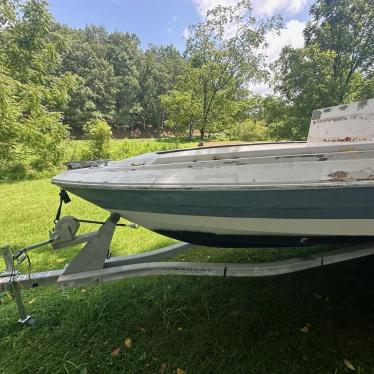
(339, 176)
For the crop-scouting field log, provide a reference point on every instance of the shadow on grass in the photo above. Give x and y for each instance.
(203, 325)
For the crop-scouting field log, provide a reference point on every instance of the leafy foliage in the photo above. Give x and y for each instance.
(9, 117)
(99, 133)
(345, 27)
(336, 64)
(183, 110)
(32, 95)
(7, 13)
(95, 91)
(116, 80)
(222, 55)
(30, 51)
(250, 130)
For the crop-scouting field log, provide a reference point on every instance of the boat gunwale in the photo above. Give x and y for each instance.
(213, 187)
(228, 145)
(269, 158)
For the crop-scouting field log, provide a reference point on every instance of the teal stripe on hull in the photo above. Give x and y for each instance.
(243, 241)
(315, 203)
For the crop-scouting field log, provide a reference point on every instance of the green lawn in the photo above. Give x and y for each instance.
(79, 150)
(201, 325)
(122, 148)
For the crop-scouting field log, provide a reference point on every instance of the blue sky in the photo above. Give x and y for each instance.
(154, 21)
(165, 21)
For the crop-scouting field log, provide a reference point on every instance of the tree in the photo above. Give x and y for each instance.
(345, 27)
(304, 78)
(278, 119)
(96, 88)
(113, 78)
(7, 13)
(123, 54)
(10, 113)
(183, 110)
(158, 73)
(30, 53)
(222, 54)
(32, 94)
(99, 134)
(335, 66)
(365, 87)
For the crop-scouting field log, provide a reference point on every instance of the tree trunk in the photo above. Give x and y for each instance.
(202, 132)
(159, 125)
(190, 130)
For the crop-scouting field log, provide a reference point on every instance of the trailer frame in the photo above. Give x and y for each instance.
(93, 263)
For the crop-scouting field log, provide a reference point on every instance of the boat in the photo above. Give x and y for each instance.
(318, 191)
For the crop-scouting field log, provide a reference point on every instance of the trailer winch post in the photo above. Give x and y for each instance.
(15, 287)
(8, 258)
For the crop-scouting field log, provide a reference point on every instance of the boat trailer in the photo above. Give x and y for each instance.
(93, 263)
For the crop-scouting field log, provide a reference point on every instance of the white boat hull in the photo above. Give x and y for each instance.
(250, 226)
(291, 193)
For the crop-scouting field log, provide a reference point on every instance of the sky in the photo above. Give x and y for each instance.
(166, 21)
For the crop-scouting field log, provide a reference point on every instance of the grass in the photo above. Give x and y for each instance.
(79, 150)
(122, 148)
(201, 325)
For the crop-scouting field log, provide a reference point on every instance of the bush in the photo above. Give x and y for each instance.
(44, 140)
(14, 171)
(250, 130)
(99, 133)
(32, 136)
(130, 148)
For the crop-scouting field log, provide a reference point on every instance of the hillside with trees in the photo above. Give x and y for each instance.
(55, 81)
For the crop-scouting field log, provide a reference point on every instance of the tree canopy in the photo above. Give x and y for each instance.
(221, 56)
(32, 94)
(55, 80)
(336, 64)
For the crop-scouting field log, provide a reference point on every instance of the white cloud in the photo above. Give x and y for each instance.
(203, 6)
(260, 7)
(260, 88)
(292, 35)
(271, 7)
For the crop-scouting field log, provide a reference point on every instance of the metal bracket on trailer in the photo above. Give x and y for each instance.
(92, 265)
(92, 256)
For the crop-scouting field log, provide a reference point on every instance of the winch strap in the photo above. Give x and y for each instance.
(64, 198)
